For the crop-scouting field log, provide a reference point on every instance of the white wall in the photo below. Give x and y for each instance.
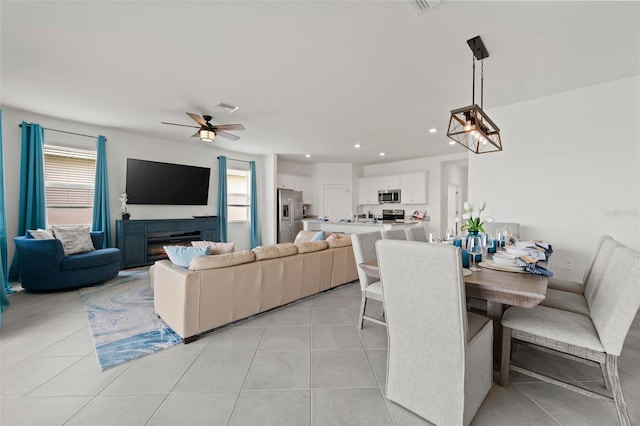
(454, 174)
(332, 173)
(569, 171)
(120, 146)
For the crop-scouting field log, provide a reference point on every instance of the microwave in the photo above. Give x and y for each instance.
(388, 196)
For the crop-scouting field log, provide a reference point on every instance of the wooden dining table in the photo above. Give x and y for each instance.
(498, 288)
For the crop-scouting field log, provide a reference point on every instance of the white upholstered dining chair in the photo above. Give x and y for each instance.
(393, 234)
(439, 361)
(579, 302)
(364, 249)
(575, 286)
(416, 233)
(595, 337)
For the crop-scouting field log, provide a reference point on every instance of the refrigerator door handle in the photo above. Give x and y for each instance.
(292, 213)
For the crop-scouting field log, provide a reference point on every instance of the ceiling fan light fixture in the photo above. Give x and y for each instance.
(207, 135)
(470, 126)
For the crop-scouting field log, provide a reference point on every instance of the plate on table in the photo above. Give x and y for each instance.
(466, 272)
(519, 251)
(504, 260)
(491, 265)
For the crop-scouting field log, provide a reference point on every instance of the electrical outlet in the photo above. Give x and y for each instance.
(568, 264)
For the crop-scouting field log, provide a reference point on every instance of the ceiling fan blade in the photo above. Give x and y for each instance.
(196, 134)
(176, 124)
(227, 135)
(229, 126)
(197, 119)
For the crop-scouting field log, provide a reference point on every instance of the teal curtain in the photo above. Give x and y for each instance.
(253, 214)
(101, 216)
(32, 212)
(222, 197)
(5, 287)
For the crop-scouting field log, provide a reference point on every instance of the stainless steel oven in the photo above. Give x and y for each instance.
(386, 196)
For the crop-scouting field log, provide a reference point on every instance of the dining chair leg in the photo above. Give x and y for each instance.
(616, 389)
(607, 382)
(505, 359)
(363, 306)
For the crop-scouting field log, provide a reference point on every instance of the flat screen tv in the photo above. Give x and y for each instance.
(152, 182)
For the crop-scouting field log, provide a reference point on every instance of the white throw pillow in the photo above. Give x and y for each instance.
(41, 234)
(74, 239)
(216, 247)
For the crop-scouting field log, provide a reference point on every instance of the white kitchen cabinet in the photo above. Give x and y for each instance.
(389, 182)
(285, 181)
(414, 189)
(304, 184)
(368, 190)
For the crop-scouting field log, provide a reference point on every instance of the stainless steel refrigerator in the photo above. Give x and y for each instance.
(289, 214)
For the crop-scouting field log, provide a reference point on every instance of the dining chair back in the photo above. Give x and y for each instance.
(393, 234)
(594, 337)
(364, 249)
(439, 362)
(416, 233)
(575, 286)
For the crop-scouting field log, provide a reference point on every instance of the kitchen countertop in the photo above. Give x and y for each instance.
(354, 227)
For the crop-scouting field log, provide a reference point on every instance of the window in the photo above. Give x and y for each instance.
(238, 195)
(69, 176)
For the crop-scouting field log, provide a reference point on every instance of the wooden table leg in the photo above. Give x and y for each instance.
(494, 312)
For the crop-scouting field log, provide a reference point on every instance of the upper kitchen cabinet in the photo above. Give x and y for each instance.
(368, 190)
(389, 182)
(414, 188)
(285, 181)
(304, 184)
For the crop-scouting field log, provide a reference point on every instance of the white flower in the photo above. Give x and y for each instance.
(467, 206)
(489, 219)
(466, 216)
(475, 214)
(482, 206)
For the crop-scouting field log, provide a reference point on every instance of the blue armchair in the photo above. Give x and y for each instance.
(44, 266)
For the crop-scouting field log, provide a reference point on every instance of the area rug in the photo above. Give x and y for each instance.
(123, 323)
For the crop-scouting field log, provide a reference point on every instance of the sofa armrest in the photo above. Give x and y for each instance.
(40, 253)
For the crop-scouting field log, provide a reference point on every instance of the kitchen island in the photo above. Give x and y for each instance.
(356, 227)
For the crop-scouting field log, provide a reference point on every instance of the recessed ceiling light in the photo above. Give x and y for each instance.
(356, 145)
(433, 130)
(308, 155)
(382, 154)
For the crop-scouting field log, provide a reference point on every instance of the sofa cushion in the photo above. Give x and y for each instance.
(216, 247)
(181, 255)
(342, 241)
(41, 234)
(306, 236)
(222, 260)
(74, 239)
(91, 259)
(312, 246)
(277, 250)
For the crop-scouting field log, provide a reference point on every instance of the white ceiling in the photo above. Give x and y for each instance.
(309, 76)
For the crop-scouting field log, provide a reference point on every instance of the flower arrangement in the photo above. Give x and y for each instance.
(123, 202)
(473, 219)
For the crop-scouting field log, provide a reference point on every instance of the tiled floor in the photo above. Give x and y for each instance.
(306, 364)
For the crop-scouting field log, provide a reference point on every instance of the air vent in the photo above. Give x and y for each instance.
(226, 107)
(422, 5)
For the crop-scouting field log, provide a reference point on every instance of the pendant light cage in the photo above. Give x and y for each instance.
(470, 126)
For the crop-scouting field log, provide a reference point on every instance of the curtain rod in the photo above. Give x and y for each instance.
(235, 159)
(64, 131)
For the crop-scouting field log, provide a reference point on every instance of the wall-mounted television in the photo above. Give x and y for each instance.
(152, 182)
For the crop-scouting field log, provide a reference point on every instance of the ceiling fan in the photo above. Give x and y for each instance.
(207, 131)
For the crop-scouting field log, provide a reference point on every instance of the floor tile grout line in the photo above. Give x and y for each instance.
(536, 403)
(244, 381)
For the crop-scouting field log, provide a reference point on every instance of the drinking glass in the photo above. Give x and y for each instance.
(474, 247)
(499, 239)
(491, 244)
(506, 231)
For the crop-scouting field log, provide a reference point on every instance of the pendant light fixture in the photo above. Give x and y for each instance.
(470, 126)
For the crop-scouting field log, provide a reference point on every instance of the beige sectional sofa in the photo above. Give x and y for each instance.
(220, 289)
